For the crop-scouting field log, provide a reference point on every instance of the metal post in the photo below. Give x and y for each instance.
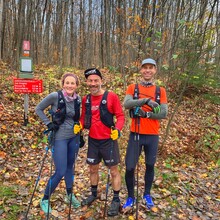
(25, 109)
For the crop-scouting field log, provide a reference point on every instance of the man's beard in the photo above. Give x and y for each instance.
(97, 89)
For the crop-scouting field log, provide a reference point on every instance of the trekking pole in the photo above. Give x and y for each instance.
(37, 180)
(74, 165)
(138, 141)
(52, 140)
(108, 179)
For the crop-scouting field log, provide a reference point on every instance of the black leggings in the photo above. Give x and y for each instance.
(150, 145)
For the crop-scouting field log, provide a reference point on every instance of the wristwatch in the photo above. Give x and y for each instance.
(147, 114)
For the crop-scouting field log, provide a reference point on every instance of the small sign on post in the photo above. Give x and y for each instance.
(26, 53)
(27, 86)
(26, 68)
(26, 45)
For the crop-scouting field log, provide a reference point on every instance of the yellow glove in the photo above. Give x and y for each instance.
(77, 128)
(115, 134)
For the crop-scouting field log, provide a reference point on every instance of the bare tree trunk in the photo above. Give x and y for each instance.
(82, 42)
(46, 35)
(217, 44)
(63, 38)
(1, 29)
(19, 32)
(102, 35)
(71, 32)
(119, 34)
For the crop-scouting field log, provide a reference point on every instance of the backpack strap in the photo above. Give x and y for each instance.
(136, 91)
(77, 104)
(105, 116)
(61, 102)
(157, 95)
(135, 96)
(88, 112)
(59, 116)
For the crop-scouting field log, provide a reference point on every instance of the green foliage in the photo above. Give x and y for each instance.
(7, 193)
(213, 98)
(103, 176)
(112, 69)
(209, 143)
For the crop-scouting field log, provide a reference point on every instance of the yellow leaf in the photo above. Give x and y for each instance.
(7, 175)
(163, 190)
(33, 146)
(204, 175)
(130, 217)
(42, 183)
(77, 194)
(35, 203)
(15, 122)
(3, 171)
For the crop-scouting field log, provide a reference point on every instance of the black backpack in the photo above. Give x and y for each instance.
(136, 96)
(105, 116)
(59, 116)
(157, 93)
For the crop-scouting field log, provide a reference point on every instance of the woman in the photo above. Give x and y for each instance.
(66, 143)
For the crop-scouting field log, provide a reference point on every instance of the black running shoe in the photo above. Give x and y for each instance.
(88, 201)
(114, 208)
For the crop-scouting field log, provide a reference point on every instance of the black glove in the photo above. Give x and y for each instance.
(81, 141)
(154, 105)
(52, 127)
(141, 113)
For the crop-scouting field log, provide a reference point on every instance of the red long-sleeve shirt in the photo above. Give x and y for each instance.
(98, 130)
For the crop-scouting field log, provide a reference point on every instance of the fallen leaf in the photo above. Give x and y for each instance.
(154, 209)
(2, 154)
(3, 127)
(55, 213)
(33, 146)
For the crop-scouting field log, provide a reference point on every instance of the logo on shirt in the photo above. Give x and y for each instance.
(94, 107)
(91, 160)
(109, 161)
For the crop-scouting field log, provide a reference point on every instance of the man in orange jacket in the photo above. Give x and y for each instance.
(146, 107)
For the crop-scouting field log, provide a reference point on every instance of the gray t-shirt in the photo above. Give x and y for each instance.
(66, 129)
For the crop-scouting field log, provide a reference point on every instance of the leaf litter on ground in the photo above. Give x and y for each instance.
(186, 184)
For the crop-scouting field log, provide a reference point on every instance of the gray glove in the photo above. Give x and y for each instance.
(154, 105)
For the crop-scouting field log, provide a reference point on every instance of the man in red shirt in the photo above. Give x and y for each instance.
(146, 108)
(98, 111)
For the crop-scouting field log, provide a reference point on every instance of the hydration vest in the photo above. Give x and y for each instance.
(59, 116)
(157, 93)
(105, 116)
(136, 96)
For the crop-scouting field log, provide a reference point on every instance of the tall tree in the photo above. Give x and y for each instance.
(1, 28)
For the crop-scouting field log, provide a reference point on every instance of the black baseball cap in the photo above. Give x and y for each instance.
(92, 71)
